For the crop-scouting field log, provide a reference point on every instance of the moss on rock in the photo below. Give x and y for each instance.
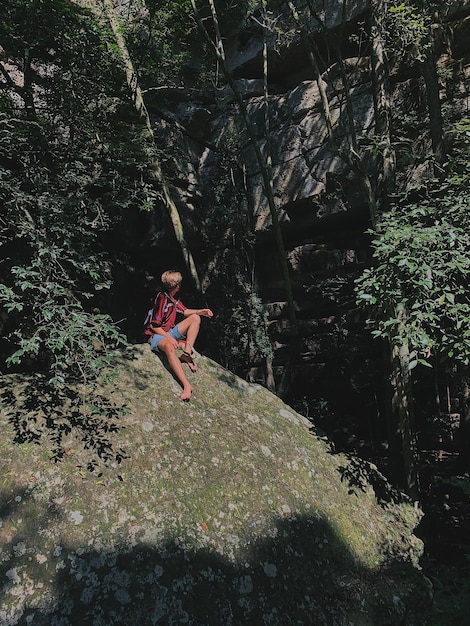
(228, 511)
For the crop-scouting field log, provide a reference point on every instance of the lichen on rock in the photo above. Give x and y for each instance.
(229, 510)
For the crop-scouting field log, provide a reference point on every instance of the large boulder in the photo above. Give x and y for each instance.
(229, 510)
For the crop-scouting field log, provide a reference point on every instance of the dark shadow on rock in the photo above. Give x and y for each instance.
(164, 361)
(232, 380)
(9, 503)
(145, 379)
(15, 540)
(360, 474)
(161, 356)
(298, 573)
(39, 410)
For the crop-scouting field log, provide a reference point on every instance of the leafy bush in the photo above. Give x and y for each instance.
(67, 172)
(422, 264)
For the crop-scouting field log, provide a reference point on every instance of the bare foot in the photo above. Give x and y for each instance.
(186, 395)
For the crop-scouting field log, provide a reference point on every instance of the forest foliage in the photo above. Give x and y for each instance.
(75, 158)
(422, 261)
(66, 178)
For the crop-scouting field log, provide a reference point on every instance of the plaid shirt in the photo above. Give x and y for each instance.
(164, 312)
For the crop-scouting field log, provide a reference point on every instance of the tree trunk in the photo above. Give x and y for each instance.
(27, 90)
(270, 380)
(267, 181)
(402, 407)
(352, 156)
(436, 124)
(139, 104)
(386, 178)
(312, 53)
(464, 433)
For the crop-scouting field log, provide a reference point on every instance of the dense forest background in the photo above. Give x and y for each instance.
(304, 164)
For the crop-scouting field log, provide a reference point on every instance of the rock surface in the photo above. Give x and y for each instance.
(228, 511)
(322, 208)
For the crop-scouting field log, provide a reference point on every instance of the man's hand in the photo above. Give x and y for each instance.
(173, 343)
(206, 313)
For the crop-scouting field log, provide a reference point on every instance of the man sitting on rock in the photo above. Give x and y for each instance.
(165, 334)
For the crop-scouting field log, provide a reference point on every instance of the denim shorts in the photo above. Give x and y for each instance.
(174, 332)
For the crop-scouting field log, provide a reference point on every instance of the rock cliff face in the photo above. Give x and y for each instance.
(322, 209)
(229, 511)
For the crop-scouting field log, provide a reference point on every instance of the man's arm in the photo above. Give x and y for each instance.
(202, 312)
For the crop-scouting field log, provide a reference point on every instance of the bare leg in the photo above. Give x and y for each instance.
(190, 328)
(177, 368)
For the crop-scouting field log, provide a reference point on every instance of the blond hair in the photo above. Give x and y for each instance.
(171, 279)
